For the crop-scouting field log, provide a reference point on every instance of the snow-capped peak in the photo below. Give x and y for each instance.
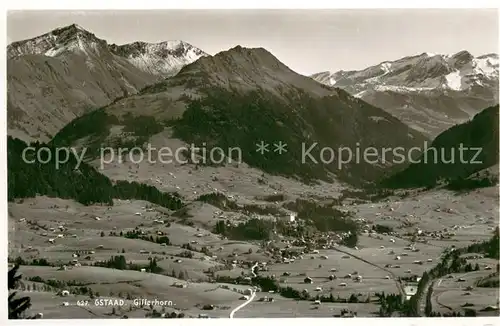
(72, 38)
(161, 58)
(80, 28)
(458, 72)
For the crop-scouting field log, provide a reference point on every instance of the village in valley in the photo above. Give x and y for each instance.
(207, 267)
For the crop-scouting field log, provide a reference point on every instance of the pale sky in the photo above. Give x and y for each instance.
(308, 41)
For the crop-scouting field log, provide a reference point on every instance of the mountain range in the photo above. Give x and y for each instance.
(73, 89)
(429, 92)
(238, 97)
(60, 75)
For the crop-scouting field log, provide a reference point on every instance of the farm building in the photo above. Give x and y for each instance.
(410, 290)
(64, 293)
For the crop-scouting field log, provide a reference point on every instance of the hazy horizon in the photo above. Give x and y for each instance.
(308, 41)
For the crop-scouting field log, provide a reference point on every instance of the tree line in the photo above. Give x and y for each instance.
(84, 185)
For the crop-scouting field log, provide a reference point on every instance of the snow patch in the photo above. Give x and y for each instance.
(400, 89)
(360, 94)
(332, 81)
(53, 52)
(386, 67)
(163, 58)
(80, 28)
(377, 118)
(454, 80)
(487, 66)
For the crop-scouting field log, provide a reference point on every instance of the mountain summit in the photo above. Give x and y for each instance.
(164, 58)
(58, 76)
(248, 68)
(240, 97)
(56, 42)
(430, 92)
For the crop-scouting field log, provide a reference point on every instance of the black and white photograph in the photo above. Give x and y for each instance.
(252, 163)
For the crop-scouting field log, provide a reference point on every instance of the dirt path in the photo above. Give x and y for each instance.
(231, 315)
(436, 298)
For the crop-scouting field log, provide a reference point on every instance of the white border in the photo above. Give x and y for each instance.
(255, 4)
(211, 4)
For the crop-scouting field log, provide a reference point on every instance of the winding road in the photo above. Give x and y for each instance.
(252, 297)
(231, 315)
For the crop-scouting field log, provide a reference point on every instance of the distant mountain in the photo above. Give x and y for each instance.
(240, 97)
(163, 59)
(60, 75)
(429, 92)
(443, 161)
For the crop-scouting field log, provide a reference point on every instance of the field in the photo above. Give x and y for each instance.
(288, 308)
(93, 232)
(455, 291)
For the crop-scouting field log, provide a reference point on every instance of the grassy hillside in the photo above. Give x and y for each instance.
(479, 133)
(229, 118)
(85, 184)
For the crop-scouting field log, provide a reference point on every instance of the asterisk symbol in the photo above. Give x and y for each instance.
(262, 147)
(280, 147)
